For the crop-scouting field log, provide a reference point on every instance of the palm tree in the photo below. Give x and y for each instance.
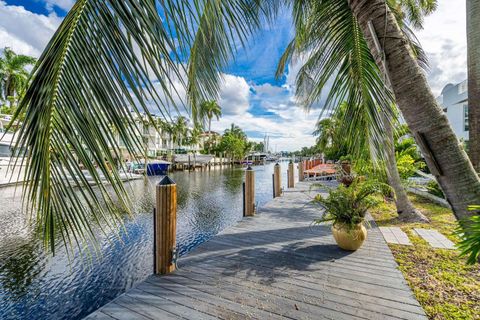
(235, 131)
(425, 118)
(364, 121)
(377, 21)
(210, 109)
(473, 64)
(326, 132)
(105, 54)
(193, 136)
(180, 130)
(13, 75)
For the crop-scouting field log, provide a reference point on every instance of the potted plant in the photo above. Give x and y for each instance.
(346, 207)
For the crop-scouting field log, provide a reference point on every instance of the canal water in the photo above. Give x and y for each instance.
(36, 285)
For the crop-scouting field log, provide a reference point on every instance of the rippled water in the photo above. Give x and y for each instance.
(35, 285)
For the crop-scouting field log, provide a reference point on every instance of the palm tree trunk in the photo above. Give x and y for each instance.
(473, 63)
(425, 118)
(405, 209)
(9, 91)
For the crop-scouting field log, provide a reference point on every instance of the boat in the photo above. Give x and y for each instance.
(154, 167)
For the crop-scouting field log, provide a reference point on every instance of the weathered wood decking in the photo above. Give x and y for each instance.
(275, 265)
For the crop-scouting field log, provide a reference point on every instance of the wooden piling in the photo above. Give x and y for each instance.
(277, 181)
(300, 171)
(165, 227)
(249, 192)
(291, 175)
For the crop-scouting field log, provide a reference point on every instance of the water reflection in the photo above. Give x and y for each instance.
(35, 285)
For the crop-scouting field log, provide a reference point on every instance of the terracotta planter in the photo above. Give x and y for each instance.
(349, 239)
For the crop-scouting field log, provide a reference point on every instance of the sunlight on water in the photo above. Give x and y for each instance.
(35, 285)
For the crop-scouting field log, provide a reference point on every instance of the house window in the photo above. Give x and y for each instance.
(465, 117)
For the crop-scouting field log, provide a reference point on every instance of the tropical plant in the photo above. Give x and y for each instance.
(433, 188)
(407, 166)
(429, 125)
(349, 205)
(469, 233)
(364, 121)
(233, 146)
(193, 136)
(259, 147)
(106, 51)
(13, 74)
(208, 110)
(236, 131)
(180, 130)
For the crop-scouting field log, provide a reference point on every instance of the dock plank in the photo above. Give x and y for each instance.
(276, 266)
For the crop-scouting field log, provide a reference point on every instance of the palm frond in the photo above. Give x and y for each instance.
(338, 55)
(223, 26)
(99, 65)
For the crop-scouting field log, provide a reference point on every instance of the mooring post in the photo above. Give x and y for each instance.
(300, 171)
(249, 192)
(277, 182)
(165, 227)
(291, 175)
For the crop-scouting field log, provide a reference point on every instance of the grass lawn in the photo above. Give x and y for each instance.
(443, 284)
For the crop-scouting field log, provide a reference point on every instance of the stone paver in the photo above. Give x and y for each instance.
(435, 238)
(395, 235)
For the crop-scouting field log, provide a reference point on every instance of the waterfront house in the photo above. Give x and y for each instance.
(454, 101)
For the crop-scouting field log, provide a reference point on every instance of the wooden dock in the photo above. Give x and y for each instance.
(275, 265)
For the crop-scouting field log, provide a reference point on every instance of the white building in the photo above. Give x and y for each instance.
(454, 101)
(158, 143)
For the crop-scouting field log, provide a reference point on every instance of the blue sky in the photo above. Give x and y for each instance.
(250, 96)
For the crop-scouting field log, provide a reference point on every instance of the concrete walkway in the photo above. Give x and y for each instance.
(275, 265)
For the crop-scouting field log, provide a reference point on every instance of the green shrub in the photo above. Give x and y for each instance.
(407, 165)
(349, 205)
(469, 232)
(433, 188)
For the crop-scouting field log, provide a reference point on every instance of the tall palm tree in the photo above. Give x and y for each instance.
(235, 131)
(425, 118)
(388, 44)
(210, 109)
(368, 106)
(326, 132)
(473, 64)
(105, 54)
(13, 74)
(180, 130)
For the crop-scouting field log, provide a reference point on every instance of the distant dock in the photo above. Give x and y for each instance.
(275, 265)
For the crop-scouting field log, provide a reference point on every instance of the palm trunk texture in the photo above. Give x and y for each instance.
(425, 118)
(405, 209)
(473, 64)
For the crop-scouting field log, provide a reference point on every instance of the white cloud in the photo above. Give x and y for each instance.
(289, 127)
(444, 40)
(62, 4)
(234, 95)
(24, 31)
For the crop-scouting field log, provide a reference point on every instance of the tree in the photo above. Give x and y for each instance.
(363, 123)
(180, 130)
(235, 131)
(13, 74)
(424, 116)
(105, 54)
(208, 110)
(193, 136)
(473, 64)
(259, 147)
